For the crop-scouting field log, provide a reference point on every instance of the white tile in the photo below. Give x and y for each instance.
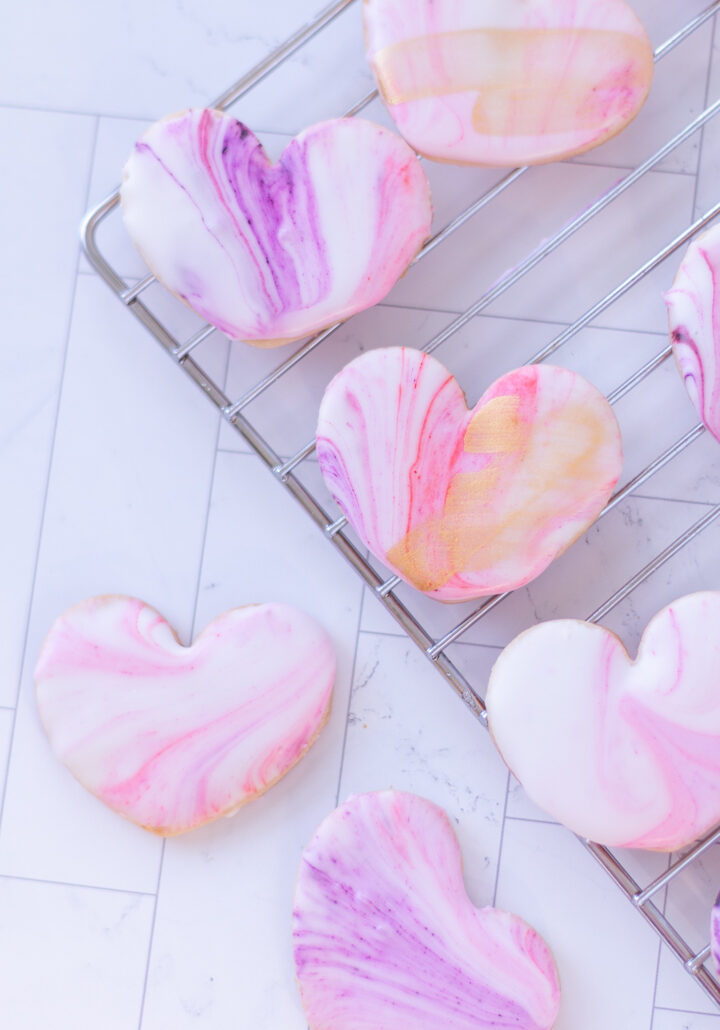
(6, 724)
(223, 947)
(73, 958)
(115, 138)
(691, 896)
(407, 731)
(666, 1019)
(566, 284)
(677, 96)
(709, 166)
(677, 990)
(663, 20)
(39, 214)
(606, 960)
(126, 510)
(146, 62)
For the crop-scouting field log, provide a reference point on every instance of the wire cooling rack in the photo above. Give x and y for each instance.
(645, 897)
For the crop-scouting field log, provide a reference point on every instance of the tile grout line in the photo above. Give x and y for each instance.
(48, 476)
(625, 168)
(149, 118)
(151, 935)
(403, 636)
(675, 500)
(702, 131)
(502, 839)
(653, 1010)
(77, 886)
(494, 316)
(201, 559)
(687, 1012)
(532, 819)
(341, 767)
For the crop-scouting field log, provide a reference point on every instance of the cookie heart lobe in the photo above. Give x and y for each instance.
(384, 934)
(462, 504)
(516, 82)
(172, 737)
(624, 752)
(694, 329)
(274, 252)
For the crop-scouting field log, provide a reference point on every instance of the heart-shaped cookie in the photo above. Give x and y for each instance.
(624, 752)
(462, 504)
(170, 736)
(274, 252)
(384, 934)
(693, 304)
(516, 82)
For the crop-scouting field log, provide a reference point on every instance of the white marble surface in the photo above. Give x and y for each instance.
(120, 478)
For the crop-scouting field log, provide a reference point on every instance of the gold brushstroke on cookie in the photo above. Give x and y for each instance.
(493, 512)
(528, 81)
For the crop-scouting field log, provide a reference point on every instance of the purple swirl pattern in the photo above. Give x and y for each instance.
(508, 83)
(172, 737)
(715, 935)
(462, 504)
(694, 313)
(384, 934)
(274, 252)
(624, 752)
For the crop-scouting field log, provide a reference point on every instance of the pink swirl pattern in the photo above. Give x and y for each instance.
(462, 504)
(624, 752)
(384, 934)
(715, 935)
(508, 82)
(172, 737)
(694, 313)
(274, 252)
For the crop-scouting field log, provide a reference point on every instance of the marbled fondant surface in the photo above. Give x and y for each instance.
(170, 736)
(461, 503)
(272, 252)
(506, 82)
(384, 934)
(694, 313)
(624, 752)
(715, 935)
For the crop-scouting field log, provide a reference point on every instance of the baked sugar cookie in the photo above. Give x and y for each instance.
(170, 736)
(624, 752)
(694, 327)
(274, 252)
(384, 934)
(462, 504)
(508, 82)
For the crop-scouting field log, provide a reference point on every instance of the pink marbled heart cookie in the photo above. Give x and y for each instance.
(624, 752)
(172, 737)
(274, 252)
(694, 314)
(508, 82)
(385, 936)
(462, 504)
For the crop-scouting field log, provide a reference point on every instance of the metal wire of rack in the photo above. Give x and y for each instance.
(644, 898)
